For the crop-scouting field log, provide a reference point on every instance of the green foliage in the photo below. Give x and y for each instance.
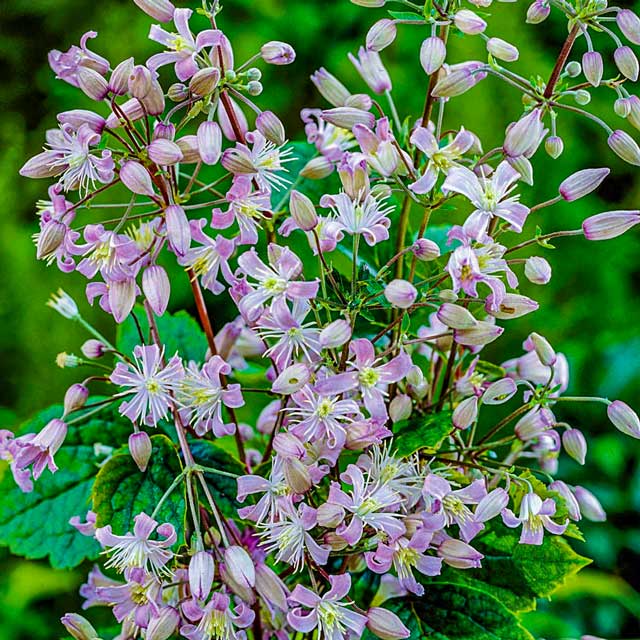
(179, 332)
(36, 524)
(121, 491)
(422, 433)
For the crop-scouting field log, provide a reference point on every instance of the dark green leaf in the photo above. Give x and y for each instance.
(36, 524)
(121, 491)
(422, 433)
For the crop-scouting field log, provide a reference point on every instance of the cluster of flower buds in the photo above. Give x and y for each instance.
(352, 360)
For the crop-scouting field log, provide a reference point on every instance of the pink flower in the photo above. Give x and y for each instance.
(37, 449)
(65, 65)
(535, 517)
(216, 619)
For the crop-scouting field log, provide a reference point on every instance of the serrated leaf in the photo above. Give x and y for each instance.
(223, 488)
(180, 333)
(36, 524)
(422, 433)
(121, 491)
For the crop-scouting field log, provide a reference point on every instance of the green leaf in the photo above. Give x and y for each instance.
(449, 611)
(223, 488)
(422, 433)
(122, 491)
(179, 333)
(517, 574)
(36, 524)
(406, 15)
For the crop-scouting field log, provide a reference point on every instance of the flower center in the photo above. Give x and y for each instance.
(369, 377)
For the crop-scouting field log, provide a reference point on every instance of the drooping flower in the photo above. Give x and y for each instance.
(150, 382)
(217, 620)
(65, 65)
(37, 449)
(535, 516)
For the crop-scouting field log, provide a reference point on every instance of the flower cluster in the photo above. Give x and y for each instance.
(377, 436)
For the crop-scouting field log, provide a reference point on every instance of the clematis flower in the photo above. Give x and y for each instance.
(182, 47)
(37, 449)
(378, 148)
(535, 517)
(333, 618)
(489, 196)
(65, 65)
(270, 505)
(217, 619)
(137, 550)
(150, 382)
(8, 450)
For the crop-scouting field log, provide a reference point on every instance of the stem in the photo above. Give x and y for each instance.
(560, 62)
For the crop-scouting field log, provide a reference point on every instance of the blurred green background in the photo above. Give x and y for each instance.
(590, 311)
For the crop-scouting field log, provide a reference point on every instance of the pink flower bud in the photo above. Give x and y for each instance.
(239, 566)
(538, 12)
(136, 178)
(523, 166)
(335, 334)
(502, 50)
(50, 238)
(629, 23)
(592, 67)
(122, 297)
(469, 22)
(590, 506)
(415, 377)
(210, 142)
(77, 117)
(292, 379)
(164, 131)
(524, 137)
(459, 555)
(385, 624)
(554, 146)
(204, 81)
(154, 102)
(610, 224)
(163, 625)
(569, 499)
(348, 117)
(492, 505)
(500, 391)
(164, 152)
(400, 408)
(92, 83)
(75, 397)
(178, 230)
(317, 168)
(330, 515)
(78, 627)
(454, 84)
(627, 62)
(302, 211)
(537, 270)
(201, 571)
(531, 425)
(512, 306)
(278, 53)
(178, 92)
(369, 65)
(93, 349)
(543, 349)
(483, 333)
(270, 587)
(582, 183)
(161, 10)
(456, 317)
(400, 293)
(140, 449)
(624, 418)
(381, 35)
(156, 288)
(465, 414)
(575, 445)
(139, 82)
(432, 54)
(331, 89)
(425, 250)
(271, 127)
(119, 80)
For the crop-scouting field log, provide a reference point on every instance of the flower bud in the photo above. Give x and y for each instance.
(400, 293)
(432, 54)
(554, 146)
(537, 270)
(210, 142)
(178, 230)
(629, 23)
(610, 224)
(569, 499)
(271, 127)
(525, 135)
(139, 82)
(532, 425)
(331, 89)
(178, 92)
(335, 334)
(626, 62)
(77, 117)
(75, 398)
(136, 178)
(592, 67)
(92, 83)
(483, 333)
(575, 445)
(164, 152)
(78, 627)
(302, 211)
(270, 587)
(590, 506)
(465, 414)
(454, 84)
(581, 183)
(543, 349)
(469, 22)
(50, 238)
(500, 391)
(163, 625)
(278, 53)
(400, 408)
(538, 11)
(492, 505)
(317, 168)
(154, 102)
(459, 555)
(156, 288)
(239, 566)
(456, 317)
(64, 304)
(122, 297)
(381, 35)
(140, 449)
(425, 250)
(119, 80)
(622, 107)
(164, 131)
(161, 10)
(385, 624)
(67, 360)
(330, 515)
(624, 418)
(512, 306)
(523, 166)
(502, 50)
(93, 349)
(634, 111)
(292, 379)
(204, 81)
(348, 117)
(201, 571)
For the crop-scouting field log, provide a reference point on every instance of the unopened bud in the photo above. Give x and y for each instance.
(538, 12)
(502, 50)
(204, 81)
(537, 270)
(178, 92)
(592, 66)
(627, 62)
(469, 22)
(50, 238)
(93, 349)
(119, 80)
(575, 445)
(385, 624)
(136, 178)
(543, 349)
(348, 117)
(317, 168)
(92, 83)
(432, 54)
(456, 317)
(163, 625)
(554, 146)
(271, 127)
(624, 418)
(278, 53)
(201, 572)
(164, 152)
(590, 506)
(492, 505)
(629, 23)
(582, 183)
(611, 224)
(139, 82)
(210, 142)
(79, 627)
(156, 288)
(400, 408)
(161, 10)
(425, 250)
(335, 334)
(400, 293)
(483, 333)
(75, 397)
(381, 35)
(302, 211)
(178, 230)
